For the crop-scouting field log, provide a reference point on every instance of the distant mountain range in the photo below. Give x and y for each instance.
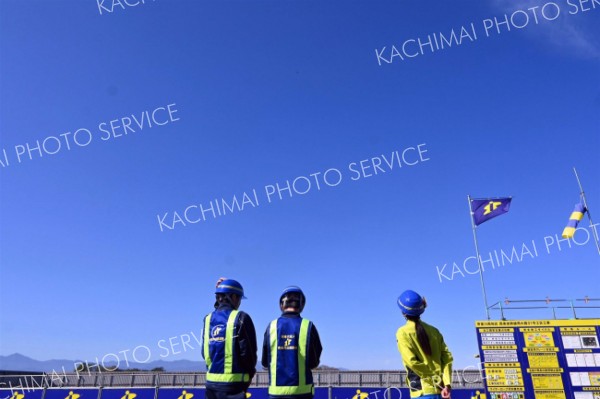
(18, 362)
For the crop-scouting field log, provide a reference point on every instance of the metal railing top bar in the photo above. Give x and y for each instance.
(322, 378)
(503, 306)
(548, 300)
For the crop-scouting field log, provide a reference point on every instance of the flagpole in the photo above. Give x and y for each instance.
(487, 310)
(582, 194)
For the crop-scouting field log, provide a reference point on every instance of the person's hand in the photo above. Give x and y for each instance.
(446, 392)
(219, 281)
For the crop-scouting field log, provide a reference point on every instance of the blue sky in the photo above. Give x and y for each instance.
(264, 92)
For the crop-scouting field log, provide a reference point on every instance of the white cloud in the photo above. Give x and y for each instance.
(570, 33)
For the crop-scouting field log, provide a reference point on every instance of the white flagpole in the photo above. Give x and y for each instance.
(582, 194)
(487, 309)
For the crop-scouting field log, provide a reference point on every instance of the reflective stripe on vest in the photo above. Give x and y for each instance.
(228, 375)
(302, 387)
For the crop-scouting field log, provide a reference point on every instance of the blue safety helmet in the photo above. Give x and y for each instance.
(230, 286)
(411, 303)
(290, 290)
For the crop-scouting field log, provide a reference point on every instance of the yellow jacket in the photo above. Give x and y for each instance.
(426, 374)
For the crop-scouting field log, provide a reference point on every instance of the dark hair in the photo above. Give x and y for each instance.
(422, 336)
(291, 302)
(225, 298)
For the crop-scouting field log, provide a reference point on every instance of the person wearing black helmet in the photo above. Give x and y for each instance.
(228, 344)
(427, 359)
(291, 349)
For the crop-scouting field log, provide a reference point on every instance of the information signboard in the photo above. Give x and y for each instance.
(541, 359)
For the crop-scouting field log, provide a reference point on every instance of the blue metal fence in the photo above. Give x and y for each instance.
(144, 385)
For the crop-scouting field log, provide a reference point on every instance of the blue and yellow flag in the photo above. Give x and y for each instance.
(485, 209)
(574, 220)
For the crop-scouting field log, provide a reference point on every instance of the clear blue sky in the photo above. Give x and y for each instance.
(266, 91)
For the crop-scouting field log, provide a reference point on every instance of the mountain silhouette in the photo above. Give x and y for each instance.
(19, 362)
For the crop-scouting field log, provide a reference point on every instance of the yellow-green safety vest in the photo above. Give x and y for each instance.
(225, 373)
(301, 350)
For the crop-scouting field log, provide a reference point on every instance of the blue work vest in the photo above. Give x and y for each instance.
(219, 349)
(288, 367)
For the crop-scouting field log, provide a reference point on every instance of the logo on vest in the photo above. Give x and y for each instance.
(217, 333)
(288, 343)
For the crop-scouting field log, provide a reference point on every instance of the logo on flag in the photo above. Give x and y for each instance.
(484, 209)
(574, 220)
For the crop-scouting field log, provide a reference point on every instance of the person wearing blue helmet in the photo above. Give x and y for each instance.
(291, 349)
(427, 359)
(228, 344)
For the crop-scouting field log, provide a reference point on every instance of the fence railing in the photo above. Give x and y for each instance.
(547, 304)
(470, 379)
